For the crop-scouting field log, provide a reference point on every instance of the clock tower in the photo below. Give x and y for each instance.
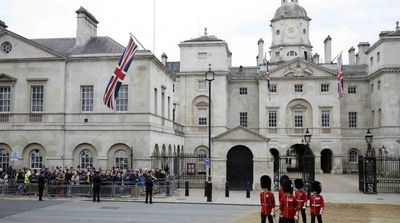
(290, 33)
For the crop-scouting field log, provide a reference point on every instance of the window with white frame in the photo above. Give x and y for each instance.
(122, 99)
(202, 55)
(86, 158)
(202, 85)
(353, 156)
(86, 98)
(298, 88)
(4, 159)
(291, 53)
(243, 119)
(37, 95)
(324, 87)
(202, 116)
(352, 119)
(272, 88)
(325, 118)
(36, 159)
(298, 119)
(272, 119)
(352, 90)
(243, 91)
(5, 98)
(121, 160)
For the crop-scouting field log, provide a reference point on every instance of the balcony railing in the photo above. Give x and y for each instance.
(4, 117)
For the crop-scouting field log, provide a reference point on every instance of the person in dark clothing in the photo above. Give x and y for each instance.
(149, 189)
(41, 183)
(96, 186)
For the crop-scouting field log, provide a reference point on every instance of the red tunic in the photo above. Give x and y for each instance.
(316, 203)
(288, 206)
(267, 201)
(301, 197)
(281, 194)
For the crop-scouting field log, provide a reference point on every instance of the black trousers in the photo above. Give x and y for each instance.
(96, 194)
(303, 215)
(288, 220)
(149, 193)
(40, 193)
(319, 218)
(264, 218)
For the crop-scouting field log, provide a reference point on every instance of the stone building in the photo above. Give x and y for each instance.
(52, 113)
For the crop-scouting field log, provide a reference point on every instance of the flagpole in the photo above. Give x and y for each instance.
(137, 41)
(268, 80)
(336, 56)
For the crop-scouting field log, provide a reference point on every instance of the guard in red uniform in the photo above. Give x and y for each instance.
(267, 200)
(281, 193)
(288, 205)
(317, 203)
(301, 197)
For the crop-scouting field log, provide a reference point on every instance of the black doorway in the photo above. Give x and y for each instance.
(239, 167)
(326, 161)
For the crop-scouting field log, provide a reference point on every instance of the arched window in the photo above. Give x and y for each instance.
(86, 158)
(353, 156)
(36, 159)
(4, 159)
(121, 160)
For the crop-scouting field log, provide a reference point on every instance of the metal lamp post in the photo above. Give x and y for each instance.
(368, 139)
(209, 77)
(308, 163)
(307, 138)
(370, 166)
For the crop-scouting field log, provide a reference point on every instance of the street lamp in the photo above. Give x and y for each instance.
(307, 137)
(209, 77)
(368, 139)
(308, 163)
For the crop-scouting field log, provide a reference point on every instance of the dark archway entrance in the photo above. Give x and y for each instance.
(239, 167)
(326, 161)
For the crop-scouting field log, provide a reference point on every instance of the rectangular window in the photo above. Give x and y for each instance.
(5, 99)
(87, 98)
(169, 108)
(352, 119)
(122, 99)
(298, 88)
(191, 168)
(379, 85)
(202, 116)
(155, 101)
(202, 55)
(243, 91)
(371, 61)
(379, 117)
(277, 54)
(378, 57)
(352, 90)
(272, 88)
(373, 118)
(324, 87)
(272, 119)
(372, 88)
(37, 94)
(298, 119)
(243, 119)
(202, 85)
(325, 119)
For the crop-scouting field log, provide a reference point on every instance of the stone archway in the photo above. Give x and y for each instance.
(326, 161)
(239, 167)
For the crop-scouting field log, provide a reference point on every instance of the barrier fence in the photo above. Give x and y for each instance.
(108, 189)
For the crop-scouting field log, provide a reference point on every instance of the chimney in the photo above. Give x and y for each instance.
(362, 48)
(164, 59)
(352, 56)
(328, 49)
(3, 25)
(86, 26)
(316, 58)
(357, 58)
(260, 57)
(397, 26)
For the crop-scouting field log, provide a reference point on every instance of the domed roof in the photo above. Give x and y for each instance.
(290, 10)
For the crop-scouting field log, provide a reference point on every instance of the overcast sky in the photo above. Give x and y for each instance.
(240, 23)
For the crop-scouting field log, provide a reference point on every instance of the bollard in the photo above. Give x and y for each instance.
(186, 188)
(209, 192)
(226, 189)
(205, 188)
(247, 189)
(167, 189)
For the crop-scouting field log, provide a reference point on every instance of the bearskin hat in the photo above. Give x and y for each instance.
(316, 187)
(287, 186)
(283, 178)
(265, 181)
(298, 183)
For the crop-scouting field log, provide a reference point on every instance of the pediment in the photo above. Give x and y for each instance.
(23, 48)
(300, 68)
(7, 78)
(240, 134)
(298, 107)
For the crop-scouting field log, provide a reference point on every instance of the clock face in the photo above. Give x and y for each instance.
(291, 31)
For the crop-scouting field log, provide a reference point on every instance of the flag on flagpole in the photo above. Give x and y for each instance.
(118, 76)
(340, 77)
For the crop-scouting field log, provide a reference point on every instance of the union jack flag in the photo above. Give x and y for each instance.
(340, 77)
(118, 76)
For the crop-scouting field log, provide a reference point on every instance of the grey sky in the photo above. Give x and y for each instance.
(240, 23)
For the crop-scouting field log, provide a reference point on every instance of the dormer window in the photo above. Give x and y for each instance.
(291, 54)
